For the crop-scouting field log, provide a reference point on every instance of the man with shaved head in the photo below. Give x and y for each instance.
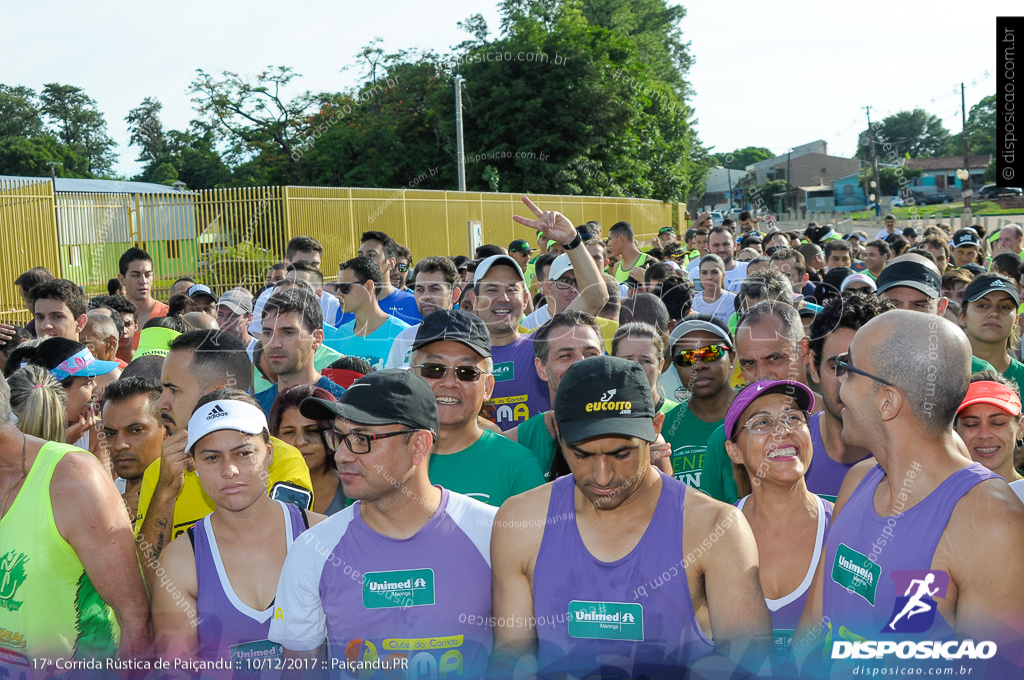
(920, 529)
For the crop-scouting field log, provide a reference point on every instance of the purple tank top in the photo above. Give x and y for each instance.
(875, 566)
(634, 615)
(227, 626)
(786, 610)
(824, 475)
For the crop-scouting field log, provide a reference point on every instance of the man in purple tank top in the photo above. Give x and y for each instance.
(919, 512)
(617, 570)
(397, 585)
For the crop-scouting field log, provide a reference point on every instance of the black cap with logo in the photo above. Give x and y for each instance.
(966, 237)
(382, 398)
(990, 283)
(520, 245)
(455, 326)
(911, 274)
(605, 396)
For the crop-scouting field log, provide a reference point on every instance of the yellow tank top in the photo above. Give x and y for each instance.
(48, 606)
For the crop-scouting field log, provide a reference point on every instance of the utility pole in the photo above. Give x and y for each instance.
(874, 164)
(965, 184)
(728, 174)
(460, 152)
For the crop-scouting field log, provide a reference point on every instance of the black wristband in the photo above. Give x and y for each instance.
(575, 243)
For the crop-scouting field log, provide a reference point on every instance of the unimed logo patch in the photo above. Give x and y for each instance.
(606, 620)
(855, 572)
(506, 370)
(407, 588)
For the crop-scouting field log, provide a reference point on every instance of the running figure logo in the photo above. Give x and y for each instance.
(914, 611)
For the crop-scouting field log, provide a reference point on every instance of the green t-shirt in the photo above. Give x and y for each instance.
(688, 436)
(716, 473)
(534, 435)
(1014, 372)
(490, 470)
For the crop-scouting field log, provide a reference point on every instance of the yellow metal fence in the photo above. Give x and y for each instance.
(228, 237)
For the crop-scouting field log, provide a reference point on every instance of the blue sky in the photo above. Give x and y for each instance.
(765, 74)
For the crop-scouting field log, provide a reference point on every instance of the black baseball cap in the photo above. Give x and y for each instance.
(392, 396)
(966, 237)
(990, 283)
(520, 245)
(668, 230)
(456, 326)
(910, 232)
(911, 274)
(605, 396)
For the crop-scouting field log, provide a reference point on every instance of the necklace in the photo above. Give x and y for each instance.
(24, 475)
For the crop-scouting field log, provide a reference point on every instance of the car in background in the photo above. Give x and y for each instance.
(933, 199)
(897, 202)
(717, 217)
(990, 191)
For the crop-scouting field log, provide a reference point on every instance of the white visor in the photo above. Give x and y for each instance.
(225, 414)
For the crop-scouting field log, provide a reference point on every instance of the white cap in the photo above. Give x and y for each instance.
(559, 266)
(486, 264)
(859, 277)
(690, 325)
(225, 414)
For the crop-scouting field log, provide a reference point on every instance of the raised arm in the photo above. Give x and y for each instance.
(157, 509)
(593, 292)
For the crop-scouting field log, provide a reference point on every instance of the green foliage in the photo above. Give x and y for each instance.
(741, 158)
(991, 173)
(981, 127)
(889, 177)
(147, 132)
(915, 132)
(19, 112)
(235, 263)
(165, 173)
(79, 126)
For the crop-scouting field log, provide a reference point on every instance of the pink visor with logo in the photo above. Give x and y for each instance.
(82, 365)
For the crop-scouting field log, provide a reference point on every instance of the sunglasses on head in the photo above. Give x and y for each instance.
(439, 371)
(708, 354)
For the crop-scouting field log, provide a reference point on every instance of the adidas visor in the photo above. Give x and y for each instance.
(224, 414)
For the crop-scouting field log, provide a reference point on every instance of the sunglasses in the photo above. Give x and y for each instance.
(439, 371)
(843, 366)
(402, 267)
(565, 283)
(707, 355)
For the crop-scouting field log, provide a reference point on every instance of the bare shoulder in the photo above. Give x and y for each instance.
(525, 507)
(851, 481)
(314, 518)
(512, 434)
(703, 514)
(179, 563)
(989, 512)
(79, 475)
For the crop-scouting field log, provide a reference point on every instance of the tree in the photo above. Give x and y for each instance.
(80, 126)
(741, 158)
(19, 112)
(889, 177)
(907, 132)
(981, 127)
(147, 132)
(254, 119)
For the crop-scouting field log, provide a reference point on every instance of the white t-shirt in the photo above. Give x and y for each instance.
(537, 318)
(882, 235)
(722, 308)
(733, 279)
(402, 348)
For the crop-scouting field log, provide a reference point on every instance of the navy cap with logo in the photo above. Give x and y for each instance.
(381, 398)
(520, 245)
(990, 283)
(454, 326)
(604, 396)
(912, 275)
(966, 237)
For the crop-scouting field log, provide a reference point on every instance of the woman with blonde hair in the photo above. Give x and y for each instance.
(40, 403)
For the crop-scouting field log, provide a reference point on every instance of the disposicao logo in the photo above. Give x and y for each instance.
(914, 610)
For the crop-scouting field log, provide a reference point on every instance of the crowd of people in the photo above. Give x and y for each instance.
(729, 453)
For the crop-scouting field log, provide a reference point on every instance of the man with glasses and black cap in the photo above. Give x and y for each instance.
(452, 352)
(590, 593)
(402, 577)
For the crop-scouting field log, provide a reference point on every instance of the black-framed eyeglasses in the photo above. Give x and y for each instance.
(357, 442)
(762, 424)
(402, 267)
(843, 365)
(565, 283)
(439, 371)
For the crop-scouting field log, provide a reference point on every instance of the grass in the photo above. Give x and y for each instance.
(983, 209)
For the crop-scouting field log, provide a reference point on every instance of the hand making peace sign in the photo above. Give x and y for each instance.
(555, 225)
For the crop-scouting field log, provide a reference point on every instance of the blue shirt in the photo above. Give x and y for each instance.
(375, 347)
(267, 397)
(400, 304)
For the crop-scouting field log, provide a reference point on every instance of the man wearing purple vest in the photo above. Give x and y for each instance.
(924, 547)
(600, 573)
(400, 582)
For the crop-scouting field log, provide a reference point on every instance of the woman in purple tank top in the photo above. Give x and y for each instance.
(770, 447)
(213, 606)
